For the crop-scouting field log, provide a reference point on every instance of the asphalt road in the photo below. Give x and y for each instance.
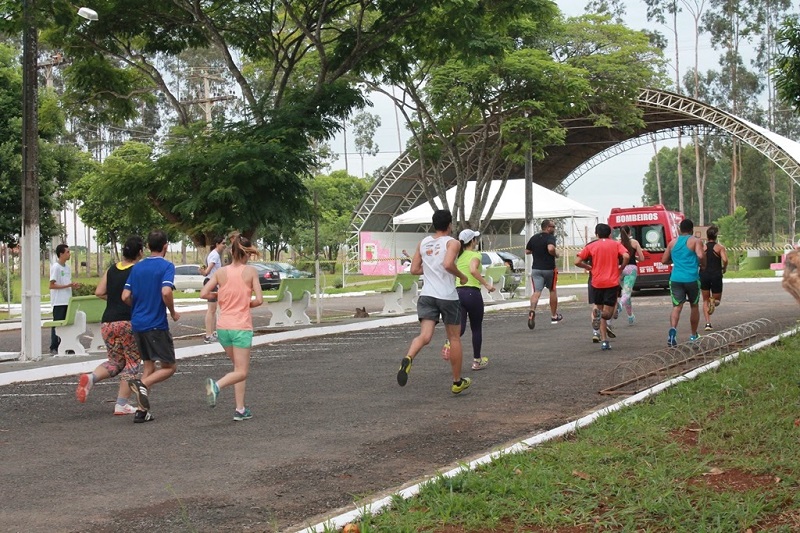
(331, 425)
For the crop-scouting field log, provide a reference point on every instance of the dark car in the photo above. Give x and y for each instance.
(269, 277)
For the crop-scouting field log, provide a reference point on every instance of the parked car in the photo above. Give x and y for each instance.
(491, 259)
(188, 277)
(516, 263)
(269, 277)
(293, 272)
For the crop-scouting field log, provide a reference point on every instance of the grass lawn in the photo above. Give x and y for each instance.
(716, 454)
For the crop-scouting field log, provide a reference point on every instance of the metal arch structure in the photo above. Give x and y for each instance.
(400, 188)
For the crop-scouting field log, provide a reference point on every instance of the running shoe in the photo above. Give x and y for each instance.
(595, 336)
(464, 385)
(402, 374)
(672, 338)
(611, 334)
(239, 416)
(617, 311)
(711, 306)
(480, 364)
(556, 319)
(141, 417)
(709, 327)
(84, 386)
(446, 350)
(605, 346)
(694, 337)
(531, 319)
(212, 391)
(631, 320)
(126, 409)
(140, 390)
(209, 339)
(596, 319)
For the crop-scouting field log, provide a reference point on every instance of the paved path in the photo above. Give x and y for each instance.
(331, 426)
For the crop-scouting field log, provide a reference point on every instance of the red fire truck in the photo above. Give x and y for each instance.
(653, 226)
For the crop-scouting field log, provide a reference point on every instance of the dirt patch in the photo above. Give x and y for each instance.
(734, 480)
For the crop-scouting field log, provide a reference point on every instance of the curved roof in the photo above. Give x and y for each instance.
(399, 190)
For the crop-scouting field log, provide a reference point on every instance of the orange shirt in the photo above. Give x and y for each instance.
(234, 300)
(605, 254)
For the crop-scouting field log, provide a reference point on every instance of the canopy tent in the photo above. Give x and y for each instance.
(511, 207)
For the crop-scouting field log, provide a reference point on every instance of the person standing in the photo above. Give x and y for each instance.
(630, 272)
(469, 295)
(711, 275)
(435, 259)
(213, 263)
(123, 355)
(149, 293)
(608, 260)
(61, 286)
(544, 273)
(236, 283)
(686, 255)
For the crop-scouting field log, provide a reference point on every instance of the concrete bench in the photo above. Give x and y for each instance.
(289, 306)
(84, 313)
(497, 276)
(401, 297)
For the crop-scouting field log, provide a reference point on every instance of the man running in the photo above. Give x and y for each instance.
(544, 273)
(687, 257)
(435, 258)
(711, 276)
(605, 269)
(149, 293)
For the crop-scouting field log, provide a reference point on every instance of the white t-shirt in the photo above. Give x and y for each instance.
(213, 257)
(62, 275)
(439, 283)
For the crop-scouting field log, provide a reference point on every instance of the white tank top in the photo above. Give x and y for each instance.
(438, 282)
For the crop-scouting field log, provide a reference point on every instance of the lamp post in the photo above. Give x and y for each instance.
(31, 289)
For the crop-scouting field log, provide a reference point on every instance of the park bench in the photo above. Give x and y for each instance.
(83, 313)
(289, 306)
(497, 276)
(401, 297)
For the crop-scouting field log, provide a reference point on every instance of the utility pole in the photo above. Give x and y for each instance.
(31, 290)
(208, 99)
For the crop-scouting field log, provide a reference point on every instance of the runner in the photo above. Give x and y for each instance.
(237, 283)
(630, 272)
(435, 258)
(711, 276)
(61, 286)
(605, 269)
(123, 355)
(687, 257)
(544, 274)
(213, 263)
(149, 293)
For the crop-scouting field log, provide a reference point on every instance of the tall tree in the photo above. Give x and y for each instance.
(364, 127)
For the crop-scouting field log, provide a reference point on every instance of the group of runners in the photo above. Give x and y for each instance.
(451, 291)
(139, 292)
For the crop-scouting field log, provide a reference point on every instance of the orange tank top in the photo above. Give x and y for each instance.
(234, 300)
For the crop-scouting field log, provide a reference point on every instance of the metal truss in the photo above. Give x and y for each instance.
(695, 113)
(630, 144)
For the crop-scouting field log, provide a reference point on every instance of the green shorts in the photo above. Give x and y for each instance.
(238, 338)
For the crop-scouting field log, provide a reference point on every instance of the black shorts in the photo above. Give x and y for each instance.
(213, 298)
(607, 297)
(430, 308)
(155, 345)
(684, 292)
(711, 282)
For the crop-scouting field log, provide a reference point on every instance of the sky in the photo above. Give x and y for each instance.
(617, 182)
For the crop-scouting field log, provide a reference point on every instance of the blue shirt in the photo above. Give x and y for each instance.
(145, 281)
(685, 264)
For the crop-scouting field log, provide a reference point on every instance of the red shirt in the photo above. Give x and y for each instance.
(605, 254)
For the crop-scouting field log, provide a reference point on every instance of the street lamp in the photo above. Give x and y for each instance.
(31, 289)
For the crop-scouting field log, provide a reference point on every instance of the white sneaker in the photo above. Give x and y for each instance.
(126, 409)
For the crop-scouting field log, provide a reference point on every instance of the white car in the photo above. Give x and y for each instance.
(491, 259)
(516, 263)
(188, 277)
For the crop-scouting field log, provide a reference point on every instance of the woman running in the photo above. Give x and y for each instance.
(469, 294)
(123, 354)
(237, 283)
(629, 273)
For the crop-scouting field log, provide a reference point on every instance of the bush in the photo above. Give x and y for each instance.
(86, 289)
(6, 286)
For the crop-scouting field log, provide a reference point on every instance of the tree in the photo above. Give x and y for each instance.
(364, 127)
(787, 62)
(733, 228)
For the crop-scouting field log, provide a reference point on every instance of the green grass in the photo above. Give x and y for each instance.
(664, 465)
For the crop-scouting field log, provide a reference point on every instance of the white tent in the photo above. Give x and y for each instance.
(546, 204)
